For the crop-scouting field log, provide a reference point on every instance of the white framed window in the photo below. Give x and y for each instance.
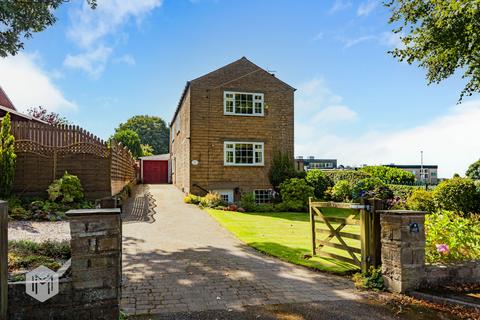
(243, 153)
(243, 103)
(263, 195)
(226, 195)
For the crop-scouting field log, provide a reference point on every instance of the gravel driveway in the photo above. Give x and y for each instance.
(38, 231)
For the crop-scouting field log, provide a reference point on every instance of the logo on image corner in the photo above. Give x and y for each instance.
(42, 283)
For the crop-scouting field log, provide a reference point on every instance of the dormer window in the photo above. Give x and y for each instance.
(243, 103)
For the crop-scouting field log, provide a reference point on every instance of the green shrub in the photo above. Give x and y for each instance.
(8, 158)
(352, 176)
(371, 188)
(317, 179)
(211, 200)
(457, 194)
(192, 199)
(265, 207)
(247, 202)
(67, 189)
(473, 171)
(370, 280)
(26, 254)
(341, 191)
(403, 191)
(421, 200)
(295, 192)
(389, 174)
(19, 213)
(452, 237)
(282, 168)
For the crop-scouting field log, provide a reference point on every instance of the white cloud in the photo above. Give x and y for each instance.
(127, 59)
(353, 42)
(365, 8)
(340, 5)
(88, 26)
(314, 95)
(334, 114)
(92, 30)
(28, 85)
(391, 39)
(317, 112)
(449, 141)
(93, 62)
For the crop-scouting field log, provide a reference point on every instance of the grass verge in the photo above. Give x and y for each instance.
(286, 235)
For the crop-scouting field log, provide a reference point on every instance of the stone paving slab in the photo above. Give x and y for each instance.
(185, 261)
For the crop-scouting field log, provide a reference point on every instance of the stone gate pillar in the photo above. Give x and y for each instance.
(96, 241)
(403, 249)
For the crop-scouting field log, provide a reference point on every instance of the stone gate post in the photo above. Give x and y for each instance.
(403, 249)
(96, 241)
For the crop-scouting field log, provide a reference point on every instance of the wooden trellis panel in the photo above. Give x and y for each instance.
(45, 152)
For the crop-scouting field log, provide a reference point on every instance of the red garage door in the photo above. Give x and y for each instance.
(155, 171)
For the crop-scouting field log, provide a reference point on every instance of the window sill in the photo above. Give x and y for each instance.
(243, 165)
(243, 115)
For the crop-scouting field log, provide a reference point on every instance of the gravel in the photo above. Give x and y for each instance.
(38, 231)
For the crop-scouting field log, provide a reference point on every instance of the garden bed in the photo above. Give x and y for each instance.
(25, 255)
(285, 235)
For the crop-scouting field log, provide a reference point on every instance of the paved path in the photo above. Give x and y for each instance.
(184, 261)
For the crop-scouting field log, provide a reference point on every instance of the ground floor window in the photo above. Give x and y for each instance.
(243, 153)
(226, 195)
(263, 195)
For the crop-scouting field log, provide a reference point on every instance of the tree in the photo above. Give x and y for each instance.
(20, 19)
(147, 150)
(442, 36)
(8, 158)
(49, 117)
(473, 171)
(129, 139)
(282, 168)
(151, 130)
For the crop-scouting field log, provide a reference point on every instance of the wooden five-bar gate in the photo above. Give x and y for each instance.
(360, 246)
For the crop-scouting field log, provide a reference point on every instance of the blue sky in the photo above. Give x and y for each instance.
(354, 101)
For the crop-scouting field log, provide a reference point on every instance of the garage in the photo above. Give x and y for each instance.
(155, 169)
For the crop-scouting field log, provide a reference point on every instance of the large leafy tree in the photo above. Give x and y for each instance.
(153, 131)
(129, 139)
(49, 117)
(442, 36)
(8, 159)
(19, 19)
(473, 171)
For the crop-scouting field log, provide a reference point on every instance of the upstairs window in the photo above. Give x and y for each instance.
(243, 153)
(242, 103)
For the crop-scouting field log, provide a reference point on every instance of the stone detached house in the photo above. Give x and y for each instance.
(226, 128)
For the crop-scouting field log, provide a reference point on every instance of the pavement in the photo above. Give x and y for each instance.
(182, 262)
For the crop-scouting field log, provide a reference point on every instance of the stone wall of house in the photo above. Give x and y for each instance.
(93, 289)
(210, 128)
(180, 146)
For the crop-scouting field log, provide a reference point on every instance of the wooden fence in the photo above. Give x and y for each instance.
(45, 152)
(3, 260)
(361, 248)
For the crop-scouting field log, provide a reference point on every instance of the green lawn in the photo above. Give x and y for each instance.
(286, 235)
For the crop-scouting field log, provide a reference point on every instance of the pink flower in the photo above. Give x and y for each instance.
(442, 248)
